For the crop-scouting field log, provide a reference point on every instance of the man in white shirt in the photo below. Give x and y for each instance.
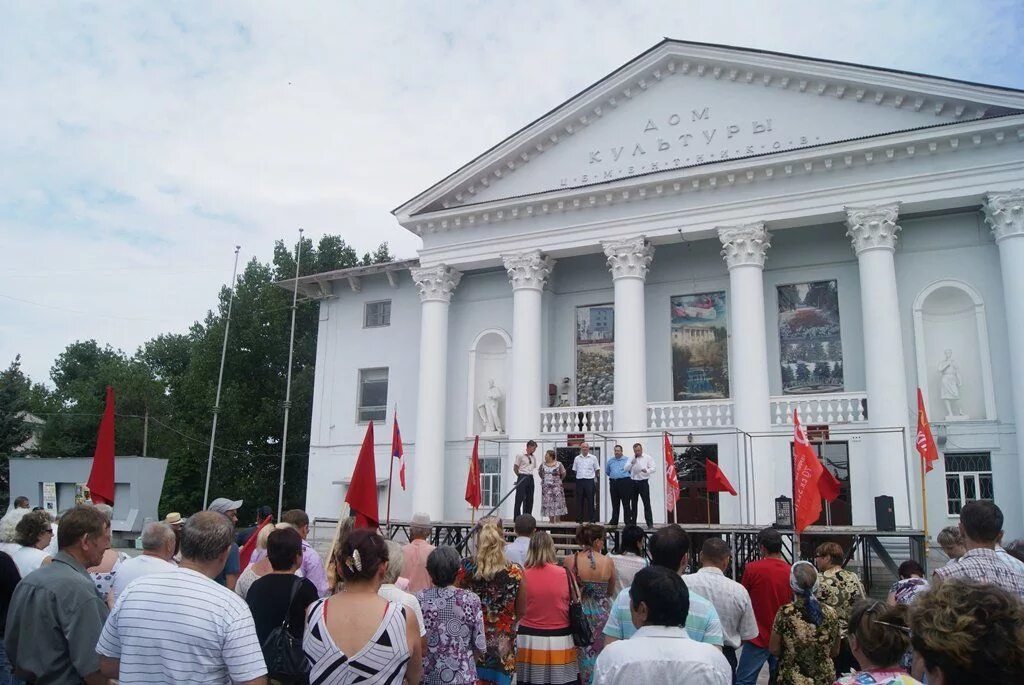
(524, 467)
(640, 467)
(730, 599)
(660, 652)
(158, 543)
(181, 626)
(515, 551)
(587, 468)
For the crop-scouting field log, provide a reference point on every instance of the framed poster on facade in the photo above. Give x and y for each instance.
(810, 349)
(700, 346)
(595, 355)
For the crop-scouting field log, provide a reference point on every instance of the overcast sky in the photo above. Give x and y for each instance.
(139, 142)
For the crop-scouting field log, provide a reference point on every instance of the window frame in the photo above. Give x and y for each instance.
(963, 478)
(360, 407)
(366, 311)
(492, 477)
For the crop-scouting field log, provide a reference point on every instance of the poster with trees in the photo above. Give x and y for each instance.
(700, 346)
(810, 348)
(595, 355)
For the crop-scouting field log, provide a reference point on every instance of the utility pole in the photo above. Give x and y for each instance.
(145, 432)
(288, 386)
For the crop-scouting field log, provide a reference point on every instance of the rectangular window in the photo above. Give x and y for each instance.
(377, 314)
(373, 395)
(968, 477)
(490, 482)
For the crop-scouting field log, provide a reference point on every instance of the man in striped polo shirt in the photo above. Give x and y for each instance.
(181, 626)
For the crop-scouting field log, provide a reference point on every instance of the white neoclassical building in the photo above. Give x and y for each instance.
(701, 243)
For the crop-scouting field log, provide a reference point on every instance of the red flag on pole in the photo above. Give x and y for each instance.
(806, 476)
(245, 554)
(828, 485)
(473, 495)
(671, 477)
(101, 477)
(717, 482)
(925, 442)
(362, 491)
(397, 452)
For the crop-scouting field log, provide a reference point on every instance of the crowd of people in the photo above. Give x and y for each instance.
(204, 604)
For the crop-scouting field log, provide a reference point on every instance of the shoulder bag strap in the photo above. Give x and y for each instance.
(291, 600)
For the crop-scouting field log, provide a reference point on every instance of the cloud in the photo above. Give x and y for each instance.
(141, 141)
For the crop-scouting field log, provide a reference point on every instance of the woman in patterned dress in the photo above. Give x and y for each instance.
(552, 494)
(453, 621)
(838, 589)
(595, 574)
(502, 592)
(805, 635)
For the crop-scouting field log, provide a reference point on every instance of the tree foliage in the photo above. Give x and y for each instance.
(174, 378)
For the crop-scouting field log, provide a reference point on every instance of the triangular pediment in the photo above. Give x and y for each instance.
(684, 104)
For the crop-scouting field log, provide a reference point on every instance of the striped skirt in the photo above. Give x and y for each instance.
(545, 657)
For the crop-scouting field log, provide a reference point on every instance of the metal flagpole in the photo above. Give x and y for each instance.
(391, 473)
(220, 379)
(924, 513)
(288, 382)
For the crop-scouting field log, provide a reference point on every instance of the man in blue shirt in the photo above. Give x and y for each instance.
(620, 486)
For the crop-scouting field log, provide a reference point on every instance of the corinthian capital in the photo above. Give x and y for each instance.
(436, 283)
(628, 258)
(1004, 212)
(873, 228)
(744, 245)
(528, 270)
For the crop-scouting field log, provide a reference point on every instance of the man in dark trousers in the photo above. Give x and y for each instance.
(620, 487)
(524, 468)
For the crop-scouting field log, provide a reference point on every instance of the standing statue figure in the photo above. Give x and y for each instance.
(489, 410)
(951, 383)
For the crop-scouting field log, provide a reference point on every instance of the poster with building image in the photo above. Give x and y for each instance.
(595, 354)
(810, 350)
(700, 346)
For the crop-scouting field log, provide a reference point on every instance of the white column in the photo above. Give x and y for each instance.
(527, 272)
(436, 285)
(1004, 212)
(873, 233)
(744, 248)
(628, 261)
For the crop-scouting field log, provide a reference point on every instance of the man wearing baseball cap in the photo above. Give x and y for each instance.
(229, 576)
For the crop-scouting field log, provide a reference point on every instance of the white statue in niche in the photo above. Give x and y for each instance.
(951, 382)
(490, 409)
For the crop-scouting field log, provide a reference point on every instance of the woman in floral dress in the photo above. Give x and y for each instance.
(805, 635)
(499, 584)
(598, 582)
(552, 473)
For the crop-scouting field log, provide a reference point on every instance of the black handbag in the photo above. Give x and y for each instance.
(582, 634)
(283, 651)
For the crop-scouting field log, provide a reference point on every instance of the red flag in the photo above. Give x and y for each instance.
(925, 442)
(362, 491)
(806, 475)
(397, 452)
(828, 485)
(101, 477)
(473, 495)
(245, 554)
(717, 482)
(671, 477)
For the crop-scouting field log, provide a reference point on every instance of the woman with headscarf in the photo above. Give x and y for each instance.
(805, 635)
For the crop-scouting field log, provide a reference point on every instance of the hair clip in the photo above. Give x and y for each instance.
(892, 625)
(356, 560)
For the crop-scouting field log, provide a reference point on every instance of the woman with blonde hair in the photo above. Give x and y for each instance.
(547, 654)
(345, 527)
(260, 566)
(499, 584)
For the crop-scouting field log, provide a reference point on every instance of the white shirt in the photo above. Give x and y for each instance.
(28, 559)
(627, 566)
(661, 655)
(516, 550)
(640, 468)
(585, 466)
(137, 567)
(179, 628)
(731, 601)
(390, 592)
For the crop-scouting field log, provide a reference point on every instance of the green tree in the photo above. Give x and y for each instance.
(803, 374)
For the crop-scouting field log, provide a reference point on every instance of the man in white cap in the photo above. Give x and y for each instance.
(414, 555)
(229, 576)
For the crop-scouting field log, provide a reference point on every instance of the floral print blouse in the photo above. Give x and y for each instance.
(455, 627)
(498, 597)
(839, 589)
(806, 657)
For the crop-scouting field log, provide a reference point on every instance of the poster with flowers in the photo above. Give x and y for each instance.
(595, 355)
(810, 348)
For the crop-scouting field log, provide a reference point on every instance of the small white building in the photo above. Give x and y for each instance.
(842, 234)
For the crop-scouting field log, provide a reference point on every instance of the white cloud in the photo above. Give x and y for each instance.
(140, 143)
